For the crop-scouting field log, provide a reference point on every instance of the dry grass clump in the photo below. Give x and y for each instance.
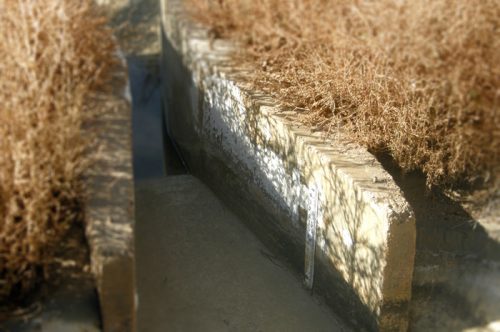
(53, 53)
(419, 79)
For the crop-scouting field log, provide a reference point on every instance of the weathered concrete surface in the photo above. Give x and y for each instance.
(210, 272)
(136, 26)
(109, 209)
(283, 179)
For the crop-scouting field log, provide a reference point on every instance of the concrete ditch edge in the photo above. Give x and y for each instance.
(109, 211)
(290, 185)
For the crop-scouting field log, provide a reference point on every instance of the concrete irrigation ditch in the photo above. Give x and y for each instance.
(276, 228)
(295, 190)
(351, 224)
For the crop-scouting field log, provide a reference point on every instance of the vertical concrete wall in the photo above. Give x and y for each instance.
(109, 210)
(294, 188)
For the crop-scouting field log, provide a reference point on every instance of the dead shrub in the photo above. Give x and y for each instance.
(419, 79)
(53, 53)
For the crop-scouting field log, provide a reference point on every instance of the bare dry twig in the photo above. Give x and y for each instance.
(420, 79)
(54, 53)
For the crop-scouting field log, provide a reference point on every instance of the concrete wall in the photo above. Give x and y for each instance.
(326, 205)
(109, 210)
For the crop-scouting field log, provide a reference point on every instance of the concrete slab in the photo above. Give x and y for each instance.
(200, 269)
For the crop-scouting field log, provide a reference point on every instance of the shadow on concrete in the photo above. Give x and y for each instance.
(443, 225)
(155, 156)
(136, 25)
(451, 249)
(146, 117)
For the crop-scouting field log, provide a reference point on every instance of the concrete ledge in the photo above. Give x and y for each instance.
(109, 210)
(294, 188)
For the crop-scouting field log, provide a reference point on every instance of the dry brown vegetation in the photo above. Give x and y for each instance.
(53, 53)
(419, 79)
